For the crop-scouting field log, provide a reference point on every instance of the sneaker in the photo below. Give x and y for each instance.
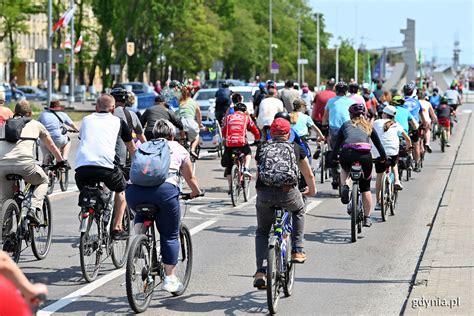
(119, 234)
(67, 166)
(417, 168)
(378, 207)
(247, 172)
(448, 144)
(428, 148)
(335, 185)
(33, 217)
(260, 280)
(172, 284)
(298, 257)
(229, 193)
(398, 186)
(367, 221)
(345, 194)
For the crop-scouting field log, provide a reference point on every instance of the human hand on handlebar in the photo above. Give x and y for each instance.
(36, 294)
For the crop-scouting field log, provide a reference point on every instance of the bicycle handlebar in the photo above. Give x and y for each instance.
(187, 196)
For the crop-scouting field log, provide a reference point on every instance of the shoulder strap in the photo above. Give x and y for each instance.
(128, 117)
(56, 114)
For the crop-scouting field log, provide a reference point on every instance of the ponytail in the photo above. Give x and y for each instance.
(388, 124)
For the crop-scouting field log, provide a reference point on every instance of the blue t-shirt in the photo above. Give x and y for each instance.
(52, 123)
(435, 100)
(302, 124)
(414, 106)
(338, 108)
(403, 117)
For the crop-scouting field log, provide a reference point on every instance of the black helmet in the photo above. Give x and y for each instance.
(353, 87)
(409, 88)
(271, 84)
(435, 90)
(443, 100)
(224, 84)
(160, 98)
(240, 107)
(174, 84)
(341, 86)
(284, 115)
(357, 109)
(119, 94)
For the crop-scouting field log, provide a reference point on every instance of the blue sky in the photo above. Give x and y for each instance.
(438, 24)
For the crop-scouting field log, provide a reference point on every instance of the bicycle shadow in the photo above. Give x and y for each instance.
(331, 236)
(243, 232)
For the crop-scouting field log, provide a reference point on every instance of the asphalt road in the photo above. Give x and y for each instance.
(371, 276)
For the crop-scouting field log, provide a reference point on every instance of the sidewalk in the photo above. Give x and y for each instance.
(445, 280)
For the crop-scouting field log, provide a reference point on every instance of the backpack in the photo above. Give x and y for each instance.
(13, 128)
(277, 164)
(151, 163)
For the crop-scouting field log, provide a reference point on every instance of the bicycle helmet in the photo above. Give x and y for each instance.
(357, 109)
(119, 94)
(261, 85)
(240, 107)
(284, 115)
(224, 84)
(353, 87)
(390, 110)
(443, 100)
(271, 84)
(174, 84)
(341, 87)
(409, 88)
(398, 100)
(160, 98)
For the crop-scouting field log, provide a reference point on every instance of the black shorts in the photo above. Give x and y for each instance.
(112, 178)
(381, 167)
(227, 156)
(348, 156)
(414, 136)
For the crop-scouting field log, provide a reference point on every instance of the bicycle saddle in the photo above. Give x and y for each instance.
(146, 208)
(13, 177)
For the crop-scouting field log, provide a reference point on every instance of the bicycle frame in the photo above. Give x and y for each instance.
(282, 229)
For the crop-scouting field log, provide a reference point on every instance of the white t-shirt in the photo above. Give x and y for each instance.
(389, 139)
(425, 105)
(99, 134)
(267, 110)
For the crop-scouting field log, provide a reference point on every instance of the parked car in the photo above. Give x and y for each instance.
(206, 99)
(217, 83)
(36, 94)
(145, 94)
(5, 87)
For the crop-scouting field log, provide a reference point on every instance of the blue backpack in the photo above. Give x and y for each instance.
(151, 163)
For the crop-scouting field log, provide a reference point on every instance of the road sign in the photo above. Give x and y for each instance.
(275, 65)
(41, 56)
(218, 66)
(130, 48)
(275, 71)
(115, 69)
(302, 61)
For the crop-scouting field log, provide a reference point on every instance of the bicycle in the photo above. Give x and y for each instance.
(187, 145)
(240, 183)
(280, 268)
(321, 153)
(16, 226)
(444, 127)
(140, 278)
(422, 145)
(405, 160)
(96, 217)
(355, 203)
(388, 193)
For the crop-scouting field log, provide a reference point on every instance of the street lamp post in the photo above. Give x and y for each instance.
(318, 69)
(299, 50)
(337, 63)
(270, 35)
(50, 50)
(71, 67)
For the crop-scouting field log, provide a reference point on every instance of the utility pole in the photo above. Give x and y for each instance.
(356, 50)
(337, 63)
(318, 67)
(50, 50)
(126, 61)
(270, 36)
(71, 67)
(299, 49)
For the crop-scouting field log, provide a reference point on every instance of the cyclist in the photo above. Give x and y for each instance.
(301, 122)
(19, 158)
(388, 131)
(430, 116)
(13, 285)
(54, 119)
(166, 198)
(96, 158)
(320, 101)
(269, 106)
(308, 97)
(223, 101)
(171, 94)
(234, 133)
(5, 113)
(403, 116)
(190, 115)
(336, 113)
(280, 194)
(354, 95)
(371, 103)
(288, 95)
(443, 113)
(353, 137)
(259, 95)
(453, 96)
(435, 98)
(414, 106)
(156, 112)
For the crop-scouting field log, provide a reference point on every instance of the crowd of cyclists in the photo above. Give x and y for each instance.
(357, 123)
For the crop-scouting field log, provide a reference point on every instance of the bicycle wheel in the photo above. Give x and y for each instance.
(185, 258)
(289, 269)
(139, 281)
(235, 187)
(273, 278)
(246, 188)
(443, 140)
(51, 180)
(41, 235)
(11, 240)
(383, 198)
(120, 247)
(354, 211)
(64, 179)
(90, 251)
(394, 198)
(322, 165)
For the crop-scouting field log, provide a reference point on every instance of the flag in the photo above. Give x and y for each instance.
(368, 74)
(67, 43)
(65, 19)
(78, 46)
(420, 65)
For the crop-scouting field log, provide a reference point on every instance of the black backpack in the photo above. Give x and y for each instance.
(13, 128)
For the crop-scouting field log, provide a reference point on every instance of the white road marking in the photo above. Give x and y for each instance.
(467, 111)
(312, 206)
(76, 295)
(72, 188)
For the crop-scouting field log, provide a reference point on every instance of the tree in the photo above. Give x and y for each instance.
(14, 15)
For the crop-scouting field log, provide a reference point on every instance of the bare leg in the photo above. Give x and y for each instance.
(120, 205)
(194, 144)
(367, 202)
(343, 176)
(248, 158)
(65, 150)
(378, 186)
(416, 151)
(395, 172)
(170, 269)
(229, 181)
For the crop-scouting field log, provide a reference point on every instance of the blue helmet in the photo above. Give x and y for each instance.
(261, 85)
